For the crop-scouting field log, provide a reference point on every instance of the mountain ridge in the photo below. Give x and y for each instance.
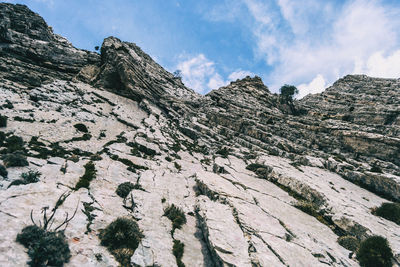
(241, 165)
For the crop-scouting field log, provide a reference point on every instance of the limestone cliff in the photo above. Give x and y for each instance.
(258, 184)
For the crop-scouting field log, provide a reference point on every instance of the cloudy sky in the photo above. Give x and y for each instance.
(307, 43)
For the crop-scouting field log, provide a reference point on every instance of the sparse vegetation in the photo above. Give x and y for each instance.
(121, 238)
(45, 248)
(391, 117)
(376, 169)
(102, 134)
(3, 171)
(13, 143)
(27, 178)
(124, 189)
(88, 176)
(261, 170)
(349, 242)
(136, 148)
(287, 92)
(3, 121)
(311, 210)
(84, 137)
(347, 117)
(15, 159)
(131, 166)
(81, 127)
(375, 252)
(224, 152)
(8, 104)
(88, 209)
(176, 215)
(389, 211)
(2, 138)
(178, 250)
(177, 166)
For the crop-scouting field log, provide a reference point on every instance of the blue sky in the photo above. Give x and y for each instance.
(307, 43)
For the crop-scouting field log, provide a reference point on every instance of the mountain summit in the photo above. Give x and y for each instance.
(108, 159)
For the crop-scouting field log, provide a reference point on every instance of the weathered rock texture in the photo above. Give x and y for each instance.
(337, 152)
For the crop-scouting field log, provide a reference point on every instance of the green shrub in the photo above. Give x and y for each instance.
(88, 176)
(3, 171)
(2, 138)
(224, 152)
(14, 143)
(124, 189)
(3, 121)
(254, 166)
(81, 127)
(288, 91)
(389, 211)
(15, 159)
(176, 215)
(45, 248)
(375, 252)
(178, 250)
(31, 176)
(261, 170)
(138, 147)
(121, 237)
(376, 169)
(8, 104)
(84, 137)
(27, 178)
(349, 242)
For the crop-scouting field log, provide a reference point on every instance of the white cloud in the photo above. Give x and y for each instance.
(216, 82)
(314, 42)
(196, 72)
(239, 74)
(380, 66)
(200, 74)
(317, 85)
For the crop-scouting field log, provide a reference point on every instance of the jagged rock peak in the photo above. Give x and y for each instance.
(20, 19)
(229, 179)
(127, 70)
(31, 53)
(362, 83)
(249, 84)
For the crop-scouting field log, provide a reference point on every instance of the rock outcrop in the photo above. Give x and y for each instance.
(251, 181)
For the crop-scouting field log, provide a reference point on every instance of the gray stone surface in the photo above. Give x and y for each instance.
(147, 128)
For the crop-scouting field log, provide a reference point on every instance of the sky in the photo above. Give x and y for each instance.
(306, 43)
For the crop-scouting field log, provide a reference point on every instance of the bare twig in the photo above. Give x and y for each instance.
(48, 220)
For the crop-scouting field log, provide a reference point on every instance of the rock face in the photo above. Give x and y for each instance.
(257, 181)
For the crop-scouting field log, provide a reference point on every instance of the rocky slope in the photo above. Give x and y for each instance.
(321, 170)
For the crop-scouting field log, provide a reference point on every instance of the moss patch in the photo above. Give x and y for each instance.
(81, 127)
(176, 215)
(3, 121)
(178, 250)
(27, 178)
(88, 176)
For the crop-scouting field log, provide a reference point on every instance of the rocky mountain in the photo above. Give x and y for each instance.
(117, 162)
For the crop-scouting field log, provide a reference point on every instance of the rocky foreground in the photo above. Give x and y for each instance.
(255, 182)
